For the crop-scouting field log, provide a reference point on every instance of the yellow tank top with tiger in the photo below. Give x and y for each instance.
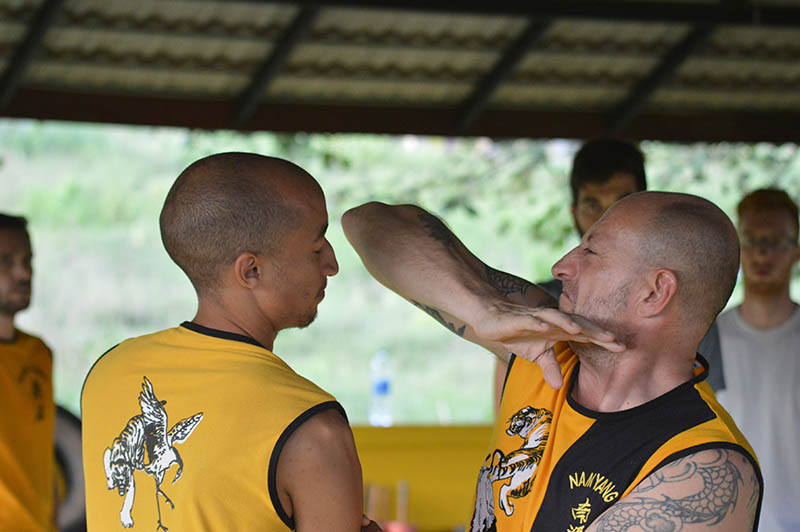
(182, 429)
(554, 465)
(26, 435)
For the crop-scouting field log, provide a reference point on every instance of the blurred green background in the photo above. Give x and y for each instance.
(92, 194)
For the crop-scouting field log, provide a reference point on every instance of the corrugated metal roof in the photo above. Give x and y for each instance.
(619, 64)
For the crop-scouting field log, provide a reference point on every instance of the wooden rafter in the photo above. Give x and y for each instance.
(250, 98)
(515, 53)
(637, 98)
(23, 55)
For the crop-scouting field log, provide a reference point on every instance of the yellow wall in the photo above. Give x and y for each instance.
(439, 464)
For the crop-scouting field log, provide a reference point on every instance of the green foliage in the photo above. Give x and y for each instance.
(93, 194)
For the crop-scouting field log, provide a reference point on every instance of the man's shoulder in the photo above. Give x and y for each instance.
(30, 342)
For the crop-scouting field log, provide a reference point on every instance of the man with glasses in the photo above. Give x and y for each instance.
(760, 339)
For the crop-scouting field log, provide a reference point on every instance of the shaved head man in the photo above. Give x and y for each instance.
(246, 443)
(606, 422)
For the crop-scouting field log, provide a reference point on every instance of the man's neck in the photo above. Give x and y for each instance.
(216, 316)
(766, 310)
(632, 380)
(7, 332)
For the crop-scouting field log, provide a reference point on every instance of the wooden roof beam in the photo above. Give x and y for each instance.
(250, 98)
(665, 11)
(15, 70)
(691, 126)
(624, 113)
(514, 54)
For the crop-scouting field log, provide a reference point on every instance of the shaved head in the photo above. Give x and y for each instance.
(697, 241)
(227, 204)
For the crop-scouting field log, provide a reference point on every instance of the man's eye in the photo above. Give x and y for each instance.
(587, 250)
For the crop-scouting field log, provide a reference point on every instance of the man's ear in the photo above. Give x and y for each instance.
(248, 270)
(661, 287)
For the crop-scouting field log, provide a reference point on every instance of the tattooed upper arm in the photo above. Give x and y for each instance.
(711, 490)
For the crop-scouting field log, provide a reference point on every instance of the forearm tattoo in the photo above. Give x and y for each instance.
(435, 314)
(718, 496)
(506, 283)
(437, 230)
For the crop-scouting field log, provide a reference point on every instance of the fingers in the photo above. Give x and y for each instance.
(551, 323)
(575, 324)
(592, 330)
(555, 318)
(551, 371)
(368, 525)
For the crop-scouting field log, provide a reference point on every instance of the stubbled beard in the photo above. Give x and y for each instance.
(594, 354)
(9, 308)
(603, 312)
(767, 288)
(308, 320)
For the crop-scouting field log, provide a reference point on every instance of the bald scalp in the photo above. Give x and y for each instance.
(227, 204)
(695, 239)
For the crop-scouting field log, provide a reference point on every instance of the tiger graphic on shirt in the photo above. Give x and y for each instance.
(515, 470)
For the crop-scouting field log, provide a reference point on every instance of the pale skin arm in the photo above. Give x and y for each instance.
(319, 477)
(414, 254)
(710, 491)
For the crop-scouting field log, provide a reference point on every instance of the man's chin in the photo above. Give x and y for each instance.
(308, 320)
(9, 308)
(766, 286)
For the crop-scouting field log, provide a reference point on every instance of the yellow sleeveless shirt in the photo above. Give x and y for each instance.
(26, 435)
(554, 465)
(183, 428)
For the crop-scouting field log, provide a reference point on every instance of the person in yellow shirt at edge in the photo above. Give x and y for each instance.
(27, 489)
(614, 429)
(201, 427)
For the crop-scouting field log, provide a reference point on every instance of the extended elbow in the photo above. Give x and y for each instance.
(356, 220)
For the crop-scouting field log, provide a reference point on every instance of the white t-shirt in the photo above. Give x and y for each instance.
(762, 393)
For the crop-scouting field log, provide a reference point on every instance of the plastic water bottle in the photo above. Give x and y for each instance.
(380, 400)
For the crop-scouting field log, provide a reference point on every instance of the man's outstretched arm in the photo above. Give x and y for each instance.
(414, 254)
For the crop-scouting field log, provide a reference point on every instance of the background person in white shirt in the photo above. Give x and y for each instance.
(760, 341)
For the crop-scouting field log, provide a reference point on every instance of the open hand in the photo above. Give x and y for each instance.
(531, 333)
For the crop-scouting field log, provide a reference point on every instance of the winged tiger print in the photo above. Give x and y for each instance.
(146, 432)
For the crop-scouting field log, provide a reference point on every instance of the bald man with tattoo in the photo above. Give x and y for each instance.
(606, 423)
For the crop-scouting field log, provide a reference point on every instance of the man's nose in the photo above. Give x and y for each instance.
(564, 268)
(330, 266)
(22, 271)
